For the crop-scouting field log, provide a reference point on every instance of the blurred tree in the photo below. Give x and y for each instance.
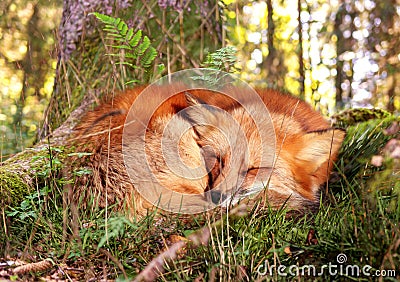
(339, 39)
(259, 33)
(384, 43)
(366, 35)
(26, 61)
(345, 47)
(341, 53)
(300, 51)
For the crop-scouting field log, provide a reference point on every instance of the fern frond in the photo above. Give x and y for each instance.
(134, 41)
(104, 18)
(138, 49)
(148, 57)
(129, 35)
(222, 59)
(143, 46)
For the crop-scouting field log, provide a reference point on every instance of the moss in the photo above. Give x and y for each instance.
(18, 174)
(385, 184)
(351, 117)
(12, 188)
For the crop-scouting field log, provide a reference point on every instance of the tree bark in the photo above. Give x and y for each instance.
(270, 35)
(339, 62)
(301, 59)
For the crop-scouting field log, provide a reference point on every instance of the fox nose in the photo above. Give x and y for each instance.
(217, 197)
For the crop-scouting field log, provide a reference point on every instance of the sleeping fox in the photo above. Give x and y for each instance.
(204, 127)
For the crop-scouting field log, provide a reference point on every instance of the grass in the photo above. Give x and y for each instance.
(357, 224)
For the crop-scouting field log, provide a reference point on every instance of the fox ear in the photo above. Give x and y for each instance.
(204, 117)
(192, 101)
(320, 147)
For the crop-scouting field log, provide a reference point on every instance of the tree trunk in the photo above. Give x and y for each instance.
(339, 62)
(28, 65)
(301, 59)
(269, 61)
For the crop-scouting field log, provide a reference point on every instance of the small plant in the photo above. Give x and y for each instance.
(138, 50)
(116, 227)
(28, 207)
(223, 59)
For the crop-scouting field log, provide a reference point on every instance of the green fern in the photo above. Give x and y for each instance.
(223, 59)
(140, 52)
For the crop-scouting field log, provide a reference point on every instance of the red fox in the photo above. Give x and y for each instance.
(305, 148)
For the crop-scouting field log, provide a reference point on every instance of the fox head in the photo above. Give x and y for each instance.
(234, 158)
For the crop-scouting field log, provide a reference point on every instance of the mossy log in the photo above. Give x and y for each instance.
(23, 173)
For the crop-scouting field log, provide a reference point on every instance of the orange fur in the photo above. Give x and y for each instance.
(306, 147)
